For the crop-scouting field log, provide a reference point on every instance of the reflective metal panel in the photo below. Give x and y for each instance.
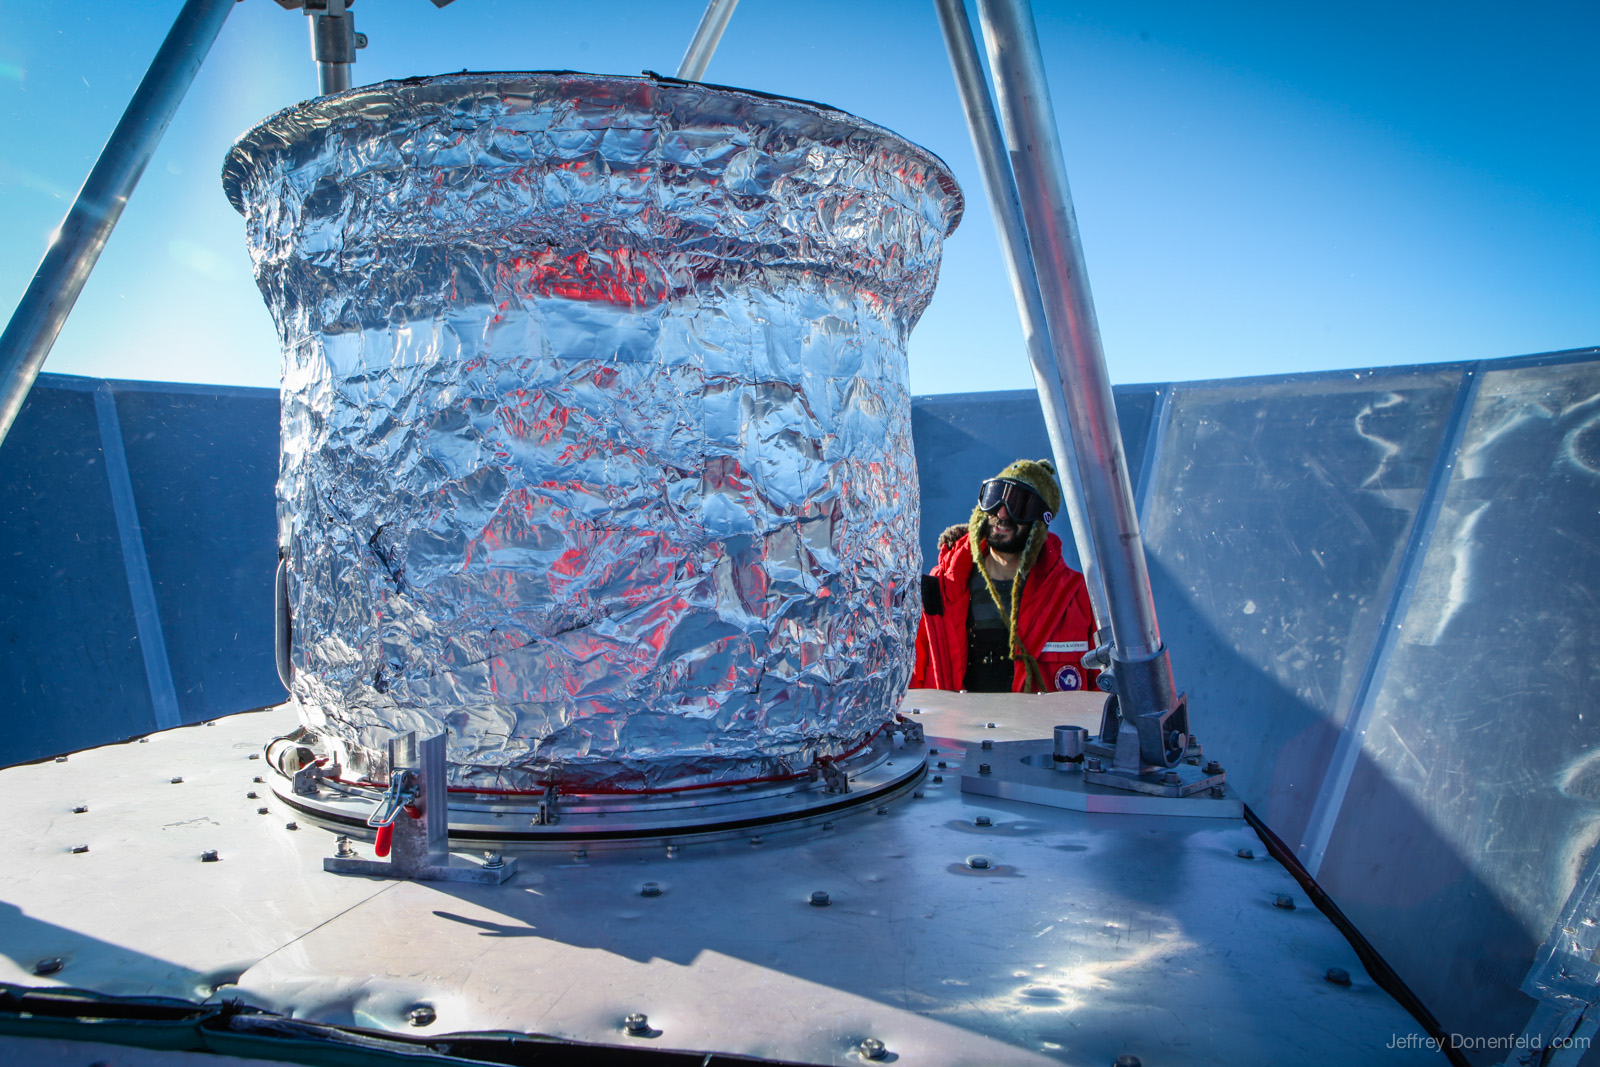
(1478, 791)
(597, 443)
(1276, 520)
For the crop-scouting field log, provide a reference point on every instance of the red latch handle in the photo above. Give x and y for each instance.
(380, 847)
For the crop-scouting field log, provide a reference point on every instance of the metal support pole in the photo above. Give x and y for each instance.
(1007, 211)
(83, 233)
(334, 41)
(1145, 693)
(704, 45)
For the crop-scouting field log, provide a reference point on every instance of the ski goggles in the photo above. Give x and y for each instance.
(1022, 503)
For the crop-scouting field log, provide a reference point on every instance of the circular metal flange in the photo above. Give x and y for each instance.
(885, 769)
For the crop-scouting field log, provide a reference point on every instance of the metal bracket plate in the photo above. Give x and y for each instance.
(1027, 771)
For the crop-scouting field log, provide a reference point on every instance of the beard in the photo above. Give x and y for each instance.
(1007, 536)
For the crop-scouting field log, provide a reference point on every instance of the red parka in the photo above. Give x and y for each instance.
(1054, 623)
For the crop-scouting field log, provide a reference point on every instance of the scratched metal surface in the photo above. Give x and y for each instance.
(1477, 792)
(596, 422)
(1089, 936)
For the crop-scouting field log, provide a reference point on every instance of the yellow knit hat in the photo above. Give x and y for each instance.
(1040, 476)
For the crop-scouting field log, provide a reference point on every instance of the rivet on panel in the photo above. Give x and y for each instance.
(291, 826)
(78, 849)
(80, 809)
(250, 795)
(1284, 901)
(989, 725)
(255, 755)
(261, 811)
(1246, 854)
(872, 1048)
(820, 899)
(178, 780)
(49, 965)
(1338, 976)
(209, 856)
(61, 759)
(983, 820)
(978, 863)
(650, 889)
(258, 779)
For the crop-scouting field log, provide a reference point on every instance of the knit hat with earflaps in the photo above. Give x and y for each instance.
(1040, 476)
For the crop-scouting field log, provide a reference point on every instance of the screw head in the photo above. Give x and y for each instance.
(820, 899)
(80, 809)
(650, 889)
(988, 726)
(48, 965)
(79, 849)
(1338, 976)
(983, 768)
(1094, 763)
(291, 826)
(983, 820)
(637, 1023)
(255, 755)
(178, 780)
(1246, 853)
(209, 856)
(61, 759)
(250, 795)
(422, 1015)
(987, 744)
(1284, 901)
(872, 1048)
(978, 863)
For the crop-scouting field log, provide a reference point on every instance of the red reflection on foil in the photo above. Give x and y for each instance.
(608, 276)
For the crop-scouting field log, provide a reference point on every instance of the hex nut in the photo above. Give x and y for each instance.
(209, 856)
(1284, 901)
(650, 889)
(1094, 763)
(942, 765)
(178, 780)
(422, 1015)
(1246, 853)
(983, 768)
(493, 861)
(1338, 976)
(258, 779)
(820, 899)
(255, 755)
(341, 847)
(78, 849)
(49, 965)
(250, 795)
(261, 811)
(1213, 767)
(987, 744)
(872, 1048)
(80, 809)
(291, 826)
(638, 1023)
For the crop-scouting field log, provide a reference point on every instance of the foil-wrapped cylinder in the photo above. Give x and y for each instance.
(596, 444)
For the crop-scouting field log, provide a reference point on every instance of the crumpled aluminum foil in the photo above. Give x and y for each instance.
(596, 442)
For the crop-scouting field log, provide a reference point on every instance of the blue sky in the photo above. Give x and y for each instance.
(1261, 188)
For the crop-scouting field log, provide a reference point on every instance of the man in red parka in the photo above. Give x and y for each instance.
(1002, 612)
